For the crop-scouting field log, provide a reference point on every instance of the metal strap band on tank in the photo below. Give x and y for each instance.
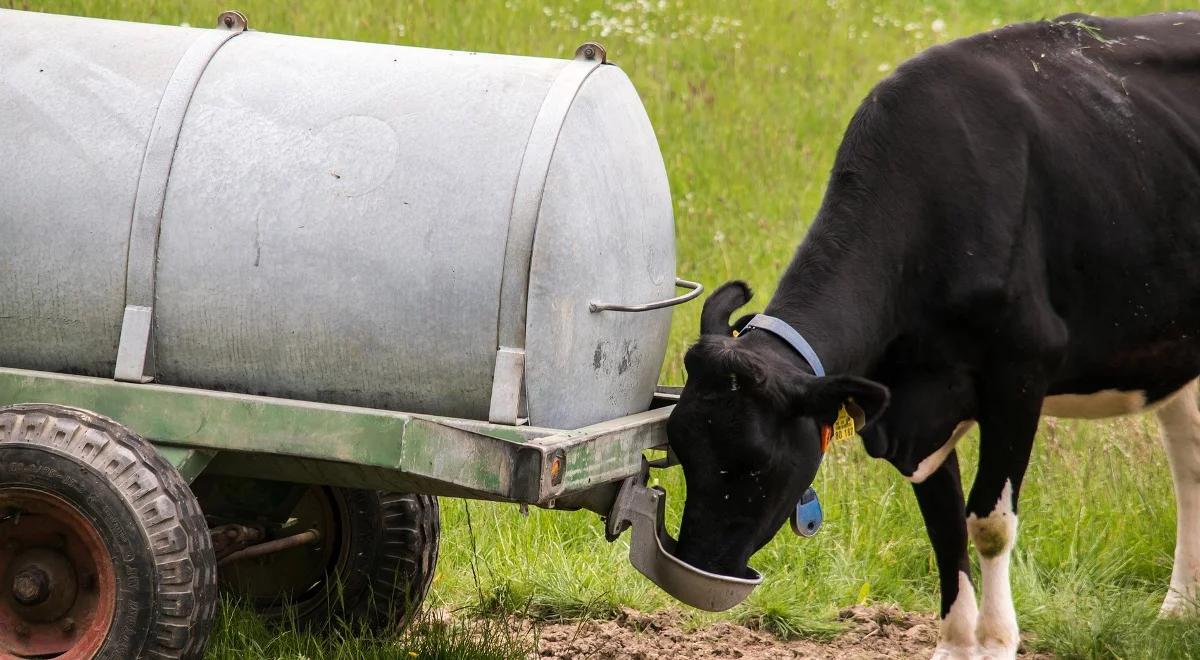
(508, 383)
(134, 353)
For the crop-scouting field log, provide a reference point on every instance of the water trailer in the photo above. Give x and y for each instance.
(264, 298)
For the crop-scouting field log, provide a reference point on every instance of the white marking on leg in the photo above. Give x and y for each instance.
(1180, 420)
(994, 536)
(956, 640)
(932, 462)
(1097, 405)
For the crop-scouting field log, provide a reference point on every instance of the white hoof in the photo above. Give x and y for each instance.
(1178, 606)
(996, 653)
(953, 652)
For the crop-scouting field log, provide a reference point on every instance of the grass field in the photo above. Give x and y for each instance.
(749, 100)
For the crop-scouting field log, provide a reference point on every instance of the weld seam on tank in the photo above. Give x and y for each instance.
(134, 352)
(508, 381)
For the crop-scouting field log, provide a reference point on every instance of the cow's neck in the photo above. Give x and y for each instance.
(837, 292)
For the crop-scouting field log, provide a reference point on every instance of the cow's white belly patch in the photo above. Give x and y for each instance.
(1105, 403)
(932, 462)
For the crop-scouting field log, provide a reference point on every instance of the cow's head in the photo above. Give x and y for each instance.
(747, 430)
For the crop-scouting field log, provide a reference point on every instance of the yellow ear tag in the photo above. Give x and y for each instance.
(843, 428)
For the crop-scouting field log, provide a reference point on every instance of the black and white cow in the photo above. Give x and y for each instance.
(1011, 229)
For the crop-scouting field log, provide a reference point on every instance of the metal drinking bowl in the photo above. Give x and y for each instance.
(651, 551)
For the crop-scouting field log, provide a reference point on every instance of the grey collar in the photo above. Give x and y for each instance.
(787, 333)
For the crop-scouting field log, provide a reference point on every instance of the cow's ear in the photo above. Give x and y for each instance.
(823, 397)
(714, 318)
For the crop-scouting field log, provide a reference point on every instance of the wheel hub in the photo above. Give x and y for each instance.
(31, 586)
(296, 576)
(57, 586)
(43, 584)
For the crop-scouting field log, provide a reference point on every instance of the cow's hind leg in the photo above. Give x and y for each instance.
(1180, 419)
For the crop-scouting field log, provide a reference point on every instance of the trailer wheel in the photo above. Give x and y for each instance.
(103, 550)
(373, 565)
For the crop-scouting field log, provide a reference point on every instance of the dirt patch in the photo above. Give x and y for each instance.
(871, 633)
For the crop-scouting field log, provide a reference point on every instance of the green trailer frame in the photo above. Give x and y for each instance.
(203, 431)
(324, 491)
(279, 476)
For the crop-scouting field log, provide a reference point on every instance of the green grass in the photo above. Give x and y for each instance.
(749, 100)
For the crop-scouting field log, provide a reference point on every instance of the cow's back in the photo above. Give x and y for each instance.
(1114, 186)
(1047, 176)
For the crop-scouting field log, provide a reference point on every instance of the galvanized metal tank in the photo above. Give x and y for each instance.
(352, 223)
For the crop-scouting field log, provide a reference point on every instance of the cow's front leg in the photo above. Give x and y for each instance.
(941, 500)
(1007, 425)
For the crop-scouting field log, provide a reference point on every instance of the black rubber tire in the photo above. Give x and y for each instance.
(144, 512)
(388, 567)
(405, 534)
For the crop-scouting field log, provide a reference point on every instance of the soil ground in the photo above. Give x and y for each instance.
(871, 633)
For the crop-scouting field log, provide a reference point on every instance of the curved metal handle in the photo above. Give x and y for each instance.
(696, 289)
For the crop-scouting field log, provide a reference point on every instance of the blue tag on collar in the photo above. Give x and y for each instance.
(807, 518)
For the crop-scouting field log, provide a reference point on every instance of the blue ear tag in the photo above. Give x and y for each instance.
(806, 519)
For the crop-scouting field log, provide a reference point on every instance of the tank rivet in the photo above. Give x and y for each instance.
(589, 52)
(228, 21)
(31, 586)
